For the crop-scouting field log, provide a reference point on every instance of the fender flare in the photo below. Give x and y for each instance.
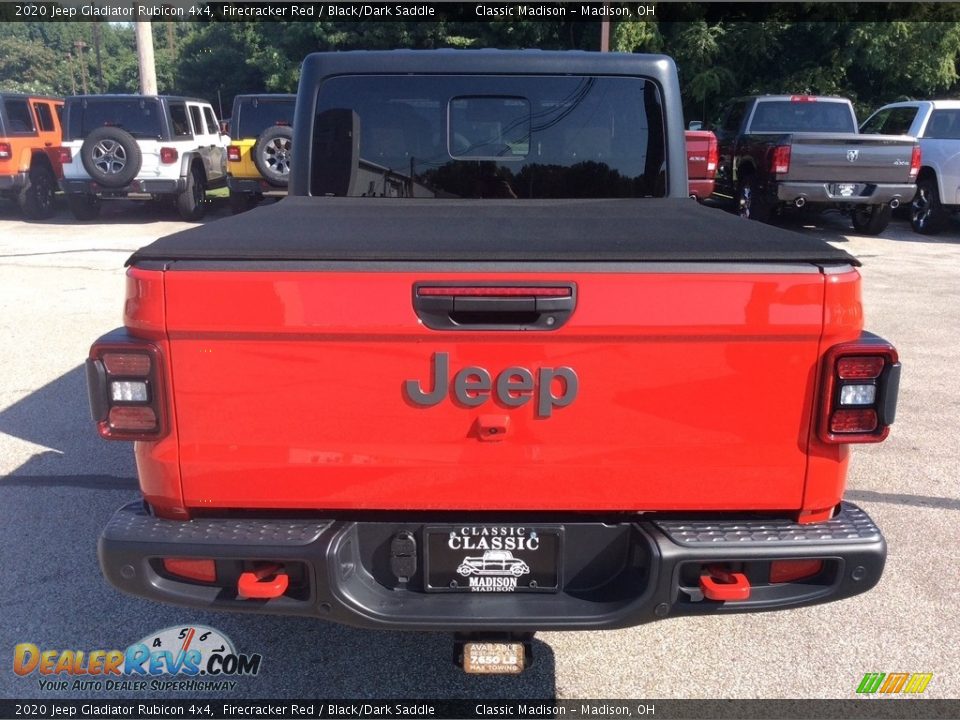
(186, 163)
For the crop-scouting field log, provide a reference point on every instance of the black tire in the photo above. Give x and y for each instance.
(111, 156)
(37, 198)
(192, 202)
(871, 219)
(83, 206)
(927, 215)
(272, 154)
(241, 202)
(749, 205)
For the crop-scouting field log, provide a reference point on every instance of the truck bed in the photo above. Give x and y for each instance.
(306, 339)
(386, 230)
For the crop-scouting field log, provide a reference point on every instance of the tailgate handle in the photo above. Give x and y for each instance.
(494, 307)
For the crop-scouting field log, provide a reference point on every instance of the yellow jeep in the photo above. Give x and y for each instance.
(261, 129)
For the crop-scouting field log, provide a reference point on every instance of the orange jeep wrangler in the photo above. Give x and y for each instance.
(30, 138)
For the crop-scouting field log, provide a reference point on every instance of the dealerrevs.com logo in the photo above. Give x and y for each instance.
(201, 657)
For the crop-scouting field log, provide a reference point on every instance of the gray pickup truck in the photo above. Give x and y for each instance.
(799, 150)
(937, 125)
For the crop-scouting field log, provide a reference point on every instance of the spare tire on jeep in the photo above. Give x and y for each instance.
(272, 153)
(111, 156)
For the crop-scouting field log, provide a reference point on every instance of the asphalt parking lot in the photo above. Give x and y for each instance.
(61, 286)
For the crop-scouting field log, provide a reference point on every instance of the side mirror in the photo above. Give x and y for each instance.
(695, 125)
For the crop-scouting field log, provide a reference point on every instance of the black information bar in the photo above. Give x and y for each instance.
(908, 709)
(407, 11)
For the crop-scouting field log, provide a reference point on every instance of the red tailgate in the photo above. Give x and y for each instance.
(702, 158)
(694, 391)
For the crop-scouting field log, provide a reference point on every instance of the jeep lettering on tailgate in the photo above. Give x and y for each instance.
(514, 386)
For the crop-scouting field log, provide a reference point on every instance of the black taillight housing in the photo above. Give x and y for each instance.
(861, 381)
(125, 387)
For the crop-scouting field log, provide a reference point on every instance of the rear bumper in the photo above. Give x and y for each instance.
(13, 182)
(612, 574)
(135, 188)
(865, 193)
(701, 189)
(253, 186)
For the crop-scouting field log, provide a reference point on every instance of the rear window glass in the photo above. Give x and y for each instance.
(212, 127)
(798, 116)
(138, 116)
(18, 118)
(178, 120)
(255, 115)
(892, 121)
(488, 137)
(943, 125)
(197, 120)
(44, 116)
(733, 117)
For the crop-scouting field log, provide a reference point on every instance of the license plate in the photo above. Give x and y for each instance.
(493, 558)
(845, 189)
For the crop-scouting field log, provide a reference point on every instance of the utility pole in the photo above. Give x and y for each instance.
(101, 86)
(148, 69)
(80, 45)
(73, 79)
(605, 28)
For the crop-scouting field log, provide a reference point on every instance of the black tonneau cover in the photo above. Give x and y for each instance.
(382, 229)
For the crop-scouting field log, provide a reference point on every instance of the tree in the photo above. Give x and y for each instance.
(28, 66)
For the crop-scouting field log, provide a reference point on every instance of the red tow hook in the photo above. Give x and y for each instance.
(718, 583)
(268, 580)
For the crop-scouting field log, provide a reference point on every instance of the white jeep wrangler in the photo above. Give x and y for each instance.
(141, 147)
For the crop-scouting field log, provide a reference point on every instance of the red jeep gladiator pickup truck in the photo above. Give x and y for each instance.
(488, 370)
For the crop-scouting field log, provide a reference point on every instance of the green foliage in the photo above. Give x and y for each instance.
(850, 51)
(28, 66)
(640, 36)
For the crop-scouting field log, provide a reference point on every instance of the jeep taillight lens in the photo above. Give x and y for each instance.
(64, 155)
(5, 151)
(780, 159)
(233, 153)
(860, 385)
(915, 158)
(168, 155)
(125, 383)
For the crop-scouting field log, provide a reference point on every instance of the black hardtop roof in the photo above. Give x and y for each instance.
(131, 96)
(317, 67)
(446, 61)
(29, 96)
(426, 230)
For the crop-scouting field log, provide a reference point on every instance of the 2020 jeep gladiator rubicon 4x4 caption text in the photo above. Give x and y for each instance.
(489, 370)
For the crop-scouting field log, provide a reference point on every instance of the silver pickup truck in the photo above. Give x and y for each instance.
(781, 150)
(937, 124)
